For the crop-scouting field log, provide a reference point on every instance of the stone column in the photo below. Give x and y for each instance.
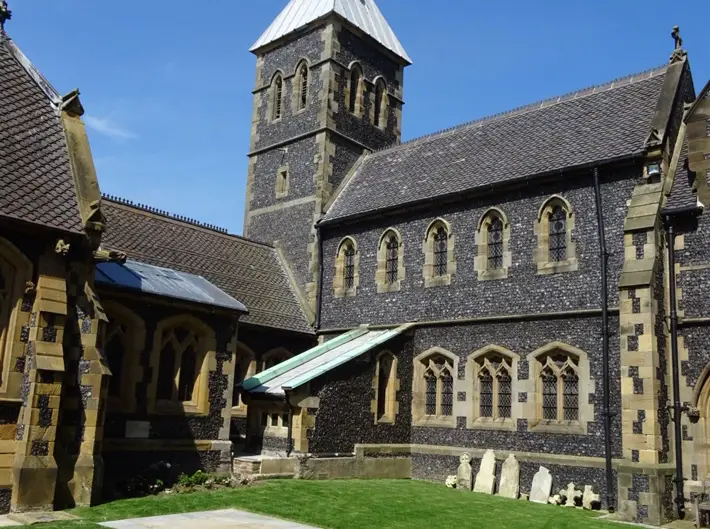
(34, 467)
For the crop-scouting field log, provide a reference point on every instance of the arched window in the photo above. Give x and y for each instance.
(386, 385)
(439, 263)
(555, 247)
(354, 89)
(244, 368)
(277, 97)
(115, 351)
(492, 239)
(560, 387)
(274, 358)
(558, 234)
(302, 86)
(390, 262)
(346, 278)
(380, 116)
(562, 384)
(439, 380)
(182, 346)
(491, 372)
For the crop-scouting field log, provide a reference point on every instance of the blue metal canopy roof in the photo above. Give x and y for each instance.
(159, 281)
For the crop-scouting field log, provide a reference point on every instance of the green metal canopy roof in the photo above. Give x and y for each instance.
(315, 362)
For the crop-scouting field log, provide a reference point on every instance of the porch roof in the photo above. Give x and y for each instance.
(309, 365)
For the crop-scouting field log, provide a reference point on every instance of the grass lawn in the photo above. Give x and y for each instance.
(352, 505)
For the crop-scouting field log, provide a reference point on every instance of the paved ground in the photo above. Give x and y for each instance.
(226, 519)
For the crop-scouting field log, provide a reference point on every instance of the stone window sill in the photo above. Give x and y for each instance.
(283, 194)
(437, 281)
(239, 411)
(435, 421)
(492, 275)
(486, 423)
(275, 431)
(564, 427)
(558, 267)
(342, 293)
(385, 420)
(388, 288)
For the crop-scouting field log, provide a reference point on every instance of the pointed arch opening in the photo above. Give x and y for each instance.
(355, 89)
(301, 86)
(390, 262)
(556, 249)
(433, 388)
(381, 104)
(492, 375)
(439, 261)
(347, 276)
(277, 97)
(493, 241)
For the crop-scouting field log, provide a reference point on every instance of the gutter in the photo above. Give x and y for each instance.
(606, 412)
(462, 195)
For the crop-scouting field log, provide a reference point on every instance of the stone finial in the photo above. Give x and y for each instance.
(62, 248)
(676, 37)
(678, 53)
(5, 14)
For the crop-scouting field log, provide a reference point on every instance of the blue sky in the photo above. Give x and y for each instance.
(166, 84)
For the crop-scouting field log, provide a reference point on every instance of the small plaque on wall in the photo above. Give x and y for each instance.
(137, 429)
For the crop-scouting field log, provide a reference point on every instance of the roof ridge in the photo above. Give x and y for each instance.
(538, 105)
(180, 218)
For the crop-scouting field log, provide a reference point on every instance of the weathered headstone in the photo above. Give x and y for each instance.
(554, 500)
(486, 477)
(463, 474)
(541, 486)
(571, 494)
(589, 499)
(510, 478)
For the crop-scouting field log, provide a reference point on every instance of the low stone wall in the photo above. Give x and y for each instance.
(355, 468)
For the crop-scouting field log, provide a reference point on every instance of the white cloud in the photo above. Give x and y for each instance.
(108, 127)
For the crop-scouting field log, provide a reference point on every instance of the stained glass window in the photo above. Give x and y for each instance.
(549, 395)
(571, 395)
(392, 260)
(349, 269)
(486, 397)
(304, 87)
(558, 234)
(505, 394)
(495, 243)
(447, 394)
(441, 252)
(430, 393)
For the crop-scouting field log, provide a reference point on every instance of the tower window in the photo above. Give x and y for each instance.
(302, 86)
(380, 117)
(277, 98)
(354, 99)
(282, 182)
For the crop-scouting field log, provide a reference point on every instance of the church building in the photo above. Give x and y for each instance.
(532, 283)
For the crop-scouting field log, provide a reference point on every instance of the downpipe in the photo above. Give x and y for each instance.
(603, 259)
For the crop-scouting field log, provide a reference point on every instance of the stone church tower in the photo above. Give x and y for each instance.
(329, 80)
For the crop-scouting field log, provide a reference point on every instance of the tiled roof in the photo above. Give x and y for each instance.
(682, 195)
(595, 124)
(248, 271)
(363, 14)
(35, 176)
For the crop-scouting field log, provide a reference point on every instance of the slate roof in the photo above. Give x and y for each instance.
(248, 271)
(682, 195)
(363, 14)
(35, 176)
(599, 123)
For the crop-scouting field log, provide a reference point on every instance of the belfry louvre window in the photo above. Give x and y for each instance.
(558, 234)
(380, 116)
(355, 76)
(302, 86)
(439, 386)
(560, 388)
(495, 244)
(441, 252)
(277, 95)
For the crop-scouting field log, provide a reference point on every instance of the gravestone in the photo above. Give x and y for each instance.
(541, 486)
(589, 499)
(555, 500)
(510, 478)
(570, 494)
(463, 474)
(486, 477)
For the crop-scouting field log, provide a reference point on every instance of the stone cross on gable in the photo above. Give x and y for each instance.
(677, 38)
(5, 14)
(571, 494)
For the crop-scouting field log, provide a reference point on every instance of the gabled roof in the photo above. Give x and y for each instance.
(682, 197)
(246, 270)
(599, 123)
(363, 14)
(165, 282)
(36, 182)
(317, 361)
